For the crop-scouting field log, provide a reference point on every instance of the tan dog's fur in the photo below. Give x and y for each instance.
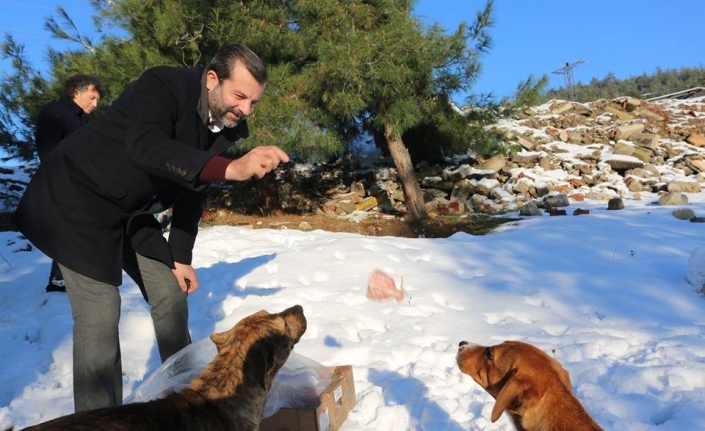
(230, 394)
(528, 384)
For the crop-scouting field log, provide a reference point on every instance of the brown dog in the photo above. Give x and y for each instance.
(527, 383)
(230, 394)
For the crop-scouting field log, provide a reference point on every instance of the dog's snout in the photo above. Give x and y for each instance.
(296, 320)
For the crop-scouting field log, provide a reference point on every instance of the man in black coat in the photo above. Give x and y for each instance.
(91, 206)
(59, 119)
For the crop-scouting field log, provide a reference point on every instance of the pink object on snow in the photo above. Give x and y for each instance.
(381, 286)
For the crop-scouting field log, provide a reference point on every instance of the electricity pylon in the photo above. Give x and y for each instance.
(567, 71)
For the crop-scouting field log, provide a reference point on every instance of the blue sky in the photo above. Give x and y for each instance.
(533, 37)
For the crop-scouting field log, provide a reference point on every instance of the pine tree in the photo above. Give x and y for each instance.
(378, 68)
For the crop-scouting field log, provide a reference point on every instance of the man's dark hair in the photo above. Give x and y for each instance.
(81, 83)
(225, 59)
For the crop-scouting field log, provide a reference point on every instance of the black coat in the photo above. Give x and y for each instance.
(57, 120)
(99, 190)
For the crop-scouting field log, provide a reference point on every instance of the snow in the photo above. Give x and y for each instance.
(607, 294)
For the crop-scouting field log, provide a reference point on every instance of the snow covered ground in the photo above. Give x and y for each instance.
(605, 293)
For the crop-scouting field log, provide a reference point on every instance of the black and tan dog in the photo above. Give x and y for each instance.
(230, 394)
(528, 384)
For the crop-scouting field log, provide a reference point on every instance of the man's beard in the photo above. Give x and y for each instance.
(219, 112)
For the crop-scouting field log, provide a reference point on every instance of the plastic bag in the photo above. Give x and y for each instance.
(298, 383)
(176, 372)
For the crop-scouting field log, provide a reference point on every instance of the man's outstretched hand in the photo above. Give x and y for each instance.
(257, 163)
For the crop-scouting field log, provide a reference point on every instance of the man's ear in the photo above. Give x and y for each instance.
(511, 392)
(211, 80)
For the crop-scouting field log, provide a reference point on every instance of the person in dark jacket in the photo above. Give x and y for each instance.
(91, 205)
(57, 120)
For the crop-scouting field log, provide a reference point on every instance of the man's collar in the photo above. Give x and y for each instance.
(74, 106)
(213, 126)
(203, 110)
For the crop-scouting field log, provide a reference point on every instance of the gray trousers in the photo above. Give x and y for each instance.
(95, 306)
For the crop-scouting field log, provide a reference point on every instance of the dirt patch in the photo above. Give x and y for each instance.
(374, 225)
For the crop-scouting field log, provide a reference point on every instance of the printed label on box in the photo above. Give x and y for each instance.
(338, 394)
(324, 421)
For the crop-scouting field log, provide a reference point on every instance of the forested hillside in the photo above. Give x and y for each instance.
(642, 86)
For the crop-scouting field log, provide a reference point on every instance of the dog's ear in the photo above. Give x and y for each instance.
(510, 395)
(264, 362)
(218, 338)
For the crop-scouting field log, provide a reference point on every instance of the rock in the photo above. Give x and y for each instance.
(496, 163)
(367, 204)
(525, 158)
(624, 132)
(346, 205)
(556, 212)
(696, 164)
(530, 209)
(623, 163)
(684, 214)
(643, 154)
(646, 140)
(485, 186)
(358, 188)
(674, 198)
(618, 113)
(437, 183)
(623, 148)
(456, 174)
(684, 187)
(556, 201)
(305, 226)
(615, 204)
(696, 139)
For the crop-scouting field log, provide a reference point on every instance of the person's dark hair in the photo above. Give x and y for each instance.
(225, 59)
(81, 83)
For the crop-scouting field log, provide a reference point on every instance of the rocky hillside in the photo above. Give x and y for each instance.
(604, 150)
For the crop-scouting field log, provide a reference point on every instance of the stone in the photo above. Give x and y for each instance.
(674, 198)
(615, 204)
(530, 209)
(618, 113)
(358, 188)
(367, 204)
(556, 201)
(624, 132)
(305, 226)
(684, 214)
(646, 140)
(623, 148)
(684, 187)
(696, 139)
(623, 163)
(496, 163)
(556, 212)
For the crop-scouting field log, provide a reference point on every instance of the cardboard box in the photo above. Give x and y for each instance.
(334, 404)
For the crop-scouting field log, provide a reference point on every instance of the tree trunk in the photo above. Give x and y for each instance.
(405, 170)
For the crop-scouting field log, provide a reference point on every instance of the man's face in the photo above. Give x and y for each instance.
(87, 99)
(234, 98)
